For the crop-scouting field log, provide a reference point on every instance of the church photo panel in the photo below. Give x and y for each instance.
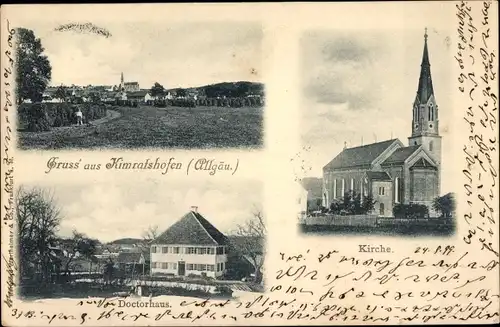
(371, 113)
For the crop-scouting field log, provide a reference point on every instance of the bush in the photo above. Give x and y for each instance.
(410, 211)
(38, 117)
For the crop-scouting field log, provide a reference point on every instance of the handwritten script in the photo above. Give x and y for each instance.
(8, 168)
(429, 286)
(477, 82)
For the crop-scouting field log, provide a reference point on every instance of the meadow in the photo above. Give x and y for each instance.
(153, 127)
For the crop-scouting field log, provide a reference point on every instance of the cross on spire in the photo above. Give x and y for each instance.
(425, 35)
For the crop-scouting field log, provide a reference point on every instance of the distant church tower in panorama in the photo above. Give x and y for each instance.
(389, 171)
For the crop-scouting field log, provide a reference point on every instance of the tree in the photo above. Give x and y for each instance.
(181, 93)
(445, 205)
(353, 204)
(158, 91)
(38, 219)
(61, 93)
(148, 236)
(79, 246)
(33, 67)
(252, 234)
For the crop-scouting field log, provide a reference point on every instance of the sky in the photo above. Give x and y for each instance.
(175, 55)
(359, 87)
(112, 210)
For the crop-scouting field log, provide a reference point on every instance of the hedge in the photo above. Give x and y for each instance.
(411, 210)
(37, 117)
(210, 102)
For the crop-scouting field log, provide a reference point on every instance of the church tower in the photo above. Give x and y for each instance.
(122, 84)
(425, 122)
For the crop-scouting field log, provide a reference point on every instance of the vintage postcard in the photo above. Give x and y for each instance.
(250, 164)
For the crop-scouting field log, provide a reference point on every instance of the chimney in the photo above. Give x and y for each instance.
(194, 209)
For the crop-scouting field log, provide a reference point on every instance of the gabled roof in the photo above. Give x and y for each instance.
(423, 163)
(378, 176)
(359, 156)
(137, 94)
(129, 257)
(400, 155)
(192, 229)
(425, 89)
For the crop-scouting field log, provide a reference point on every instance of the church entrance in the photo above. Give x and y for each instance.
(381, 209)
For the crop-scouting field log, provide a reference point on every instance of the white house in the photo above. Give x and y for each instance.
(191, 246)
(302, 197)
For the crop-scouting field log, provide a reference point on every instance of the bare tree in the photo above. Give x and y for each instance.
(38, 219)
(148, 237)
(251, 238)
(79, 246)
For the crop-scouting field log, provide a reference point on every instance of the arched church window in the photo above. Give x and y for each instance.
(343, 187)
(431, 146)
(396, 190)
(335, 188)
(352, 184)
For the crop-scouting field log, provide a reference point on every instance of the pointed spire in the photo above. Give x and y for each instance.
(122, 78)
(425, 89)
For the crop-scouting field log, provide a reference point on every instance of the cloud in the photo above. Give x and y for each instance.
(336, 69)
(176, 55)
(109, 211)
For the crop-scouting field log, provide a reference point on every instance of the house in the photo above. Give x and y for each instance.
(131, 262)
(141, 96)
(302, 196)
(314, 188)
(191, 246)
(389, 171)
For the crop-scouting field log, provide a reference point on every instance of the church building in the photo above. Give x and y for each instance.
(390, 171)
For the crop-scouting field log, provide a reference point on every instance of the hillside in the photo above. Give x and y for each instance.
(130, 241)
(226, 89)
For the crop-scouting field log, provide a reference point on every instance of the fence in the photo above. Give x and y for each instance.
(337, 220)
(373, 221)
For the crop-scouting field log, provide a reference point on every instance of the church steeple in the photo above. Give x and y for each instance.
(425, 89)
(425, 122)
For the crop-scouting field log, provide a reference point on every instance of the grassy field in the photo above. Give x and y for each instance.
(151, 127)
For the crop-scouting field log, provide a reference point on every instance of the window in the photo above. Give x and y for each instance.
(343, 187)
(164, 265)
(190, 250)
(211, 250)
(381, 191)
(153, 249)
(381, 209)
(153, 264)
(164, 249)
(220, 250)
(396, 190)
(335, 188)
(352, 184)
(176, 250)
(189, 266)
(431, 146)
(211, 267)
